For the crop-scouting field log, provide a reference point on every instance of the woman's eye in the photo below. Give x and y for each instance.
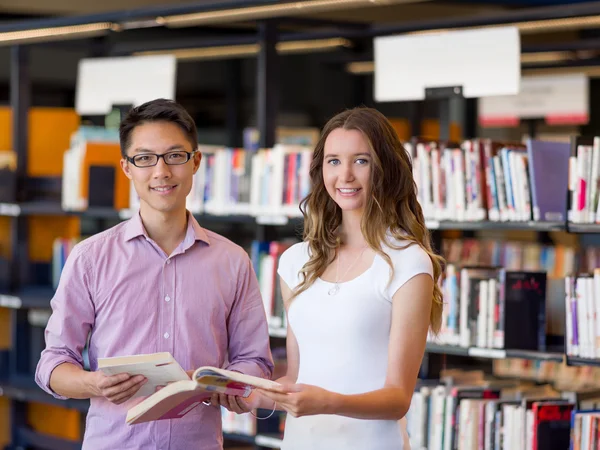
(362, 161)
(333, 162)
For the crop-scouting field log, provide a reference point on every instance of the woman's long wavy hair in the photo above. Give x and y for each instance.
(391, 206)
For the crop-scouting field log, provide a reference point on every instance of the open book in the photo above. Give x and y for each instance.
(177, 399)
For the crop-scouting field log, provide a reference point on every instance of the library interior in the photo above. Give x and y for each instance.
(505, 165)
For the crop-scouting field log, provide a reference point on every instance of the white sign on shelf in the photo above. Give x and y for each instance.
(272, 220)
(406, 65)
(487, 352)
(559, 99)
(10, 301)
(127, 80)
(268, 441)
(10, 209)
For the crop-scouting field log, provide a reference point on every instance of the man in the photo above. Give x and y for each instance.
(156, 283)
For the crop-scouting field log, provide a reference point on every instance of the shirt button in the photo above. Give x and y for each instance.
(166, 335)
(167, 299)
(168, 261)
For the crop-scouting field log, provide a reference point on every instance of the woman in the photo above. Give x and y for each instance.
(360, 292)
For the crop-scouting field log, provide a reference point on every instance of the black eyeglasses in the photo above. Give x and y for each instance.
(175, 158)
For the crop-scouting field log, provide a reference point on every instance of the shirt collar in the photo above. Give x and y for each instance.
(135, 228)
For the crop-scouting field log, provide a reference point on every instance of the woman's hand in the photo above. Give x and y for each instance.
(303, 399)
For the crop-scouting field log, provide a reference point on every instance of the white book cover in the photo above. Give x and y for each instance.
(159, 369)
(597, 307)
(500, 188)
(491, 309)
(482, 318)
(569, 318)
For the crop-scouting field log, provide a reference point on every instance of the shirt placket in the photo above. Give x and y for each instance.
(167, 336)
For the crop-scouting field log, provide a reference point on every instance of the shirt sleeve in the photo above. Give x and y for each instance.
(71, 320)
(249, 345)
(290, 263)
(408, 263)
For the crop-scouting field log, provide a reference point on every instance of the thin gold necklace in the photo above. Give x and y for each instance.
(336, 285)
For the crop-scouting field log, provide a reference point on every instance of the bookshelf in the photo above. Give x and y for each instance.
(21, 297)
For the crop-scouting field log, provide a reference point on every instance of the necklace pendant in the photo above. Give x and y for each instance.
(334, 290)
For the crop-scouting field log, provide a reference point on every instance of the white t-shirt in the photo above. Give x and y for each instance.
(343, 342)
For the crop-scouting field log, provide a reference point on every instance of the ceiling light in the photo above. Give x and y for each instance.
(546, 57)
(56, 33)
(247, 50)
(530, 27)
(590, 71)
(270, 11)
(361, 67)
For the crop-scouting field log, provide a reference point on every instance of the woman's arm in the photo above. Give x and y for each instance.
(293, 356)
(411, 308)
(408, 336)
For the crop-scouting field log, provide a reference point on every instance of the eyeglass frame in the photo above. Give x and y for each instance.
(158, 156)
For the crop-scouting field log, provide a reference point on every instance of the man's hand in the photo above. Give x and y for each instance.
(116, 388)
(234, 403)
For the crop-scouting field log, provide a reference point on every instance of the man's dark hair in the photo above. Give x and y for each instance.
(159, 110)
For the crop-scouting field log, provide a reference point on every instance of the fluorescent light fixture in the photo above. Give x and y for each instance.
(56, 33)
(532, 27)
(590, 71)
(546, 57)
(361, 67)
(241, 51)
(270, 11)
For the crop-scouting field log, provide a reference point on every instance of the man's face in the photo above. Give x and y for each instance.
(162, 187)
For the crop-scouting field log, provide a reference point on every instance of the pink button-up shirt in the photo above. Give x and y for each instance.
(202, 303)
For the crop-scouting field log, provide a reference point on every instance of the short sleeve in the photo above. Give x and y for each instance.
(290, 263)
(408, 263)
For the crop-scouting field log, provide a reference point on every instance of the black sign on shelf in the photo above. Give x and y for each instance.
(443, 94)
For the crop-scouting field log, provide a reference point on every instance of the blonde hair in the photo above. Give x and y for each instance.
(391, 208)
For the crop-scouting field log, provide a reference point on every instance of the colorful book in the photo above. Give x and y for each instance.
(179, 398)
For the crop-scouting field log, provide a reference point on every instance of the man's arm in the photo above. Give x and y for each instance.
(72, 381)
(249, 345)
(60, 368)
(70, 323)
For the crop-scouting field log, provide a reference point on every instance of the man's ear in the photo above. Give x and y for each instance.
(197, 158)
(125, 168)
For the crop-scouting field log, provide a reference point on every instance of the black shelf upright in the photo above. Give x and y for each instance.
(18, 360)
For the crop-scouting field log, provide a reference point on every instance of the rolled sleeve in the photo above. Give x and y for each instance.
(249, 346)
(71, 320)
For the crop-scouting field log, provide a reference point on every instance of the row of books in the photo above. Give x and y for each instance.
(265, 260)
(557, 261)
(585, 380)
(584, 180)
(493, 308)
(582, 306)
(483, 179)
(473, 417)
(238, 423)
(230, 181)
(267, 182)
(468, 411)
